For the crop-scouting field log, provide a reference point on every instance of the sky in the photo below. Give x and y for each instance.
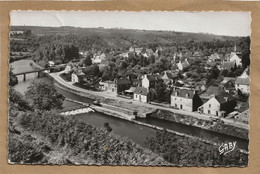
(220, 23)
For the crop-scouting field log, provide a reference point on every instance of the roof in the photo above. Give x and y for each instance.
(169, 75)
(227, 79)
(183, 93)
(228, 65)
(132, 89)
(216, 90)
(243, 81)
(154, 77)
(123, 81)
(233, 56)
(214, 57)
(141, 90)
(223, 98)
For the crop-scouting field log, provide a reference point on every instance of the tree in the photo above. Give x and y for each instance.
(88, 61)
(96, 70)
(17, 99)
(44, 96)
(160, 88)
(107, 126)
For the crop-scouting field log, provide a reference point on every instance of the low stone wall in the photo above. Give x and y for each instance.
(204, 124)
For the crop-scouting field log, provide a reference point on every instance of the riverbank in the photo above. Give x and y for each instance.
(203, 124)
(143, 109)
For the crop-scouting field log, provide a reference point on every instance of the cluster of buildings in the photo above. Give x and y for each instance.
(216, 100)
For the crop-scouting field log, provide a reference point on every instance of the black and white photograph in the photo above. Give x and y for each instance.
(128, 88)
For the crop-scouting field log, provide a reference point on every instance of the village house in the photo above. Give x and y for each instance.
(242, 83)
(136, 82)
(136, 50)
(234, 58)
(228, 65)
(141, 94)
(212, 91)
(183, 64)
(185, 99)
(76, 77)
(98, 57)
(219, 105)
(51, 63)
(123, 84)
(109, 86)
(169, 77)
(130, 91)
(149, 81)
(214, 58)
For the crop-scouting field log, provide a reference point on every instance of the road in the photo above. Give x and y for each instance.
(111, 95)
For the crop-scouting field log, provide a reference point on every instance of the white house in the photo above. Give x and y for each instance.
(74, 78)
(234, 57)
(149, 81)
(242, 83)
(185, 99)
(141, 94)
(51, 63)
(218, 105)
(98, 58)
(214, 58)
(183, 64)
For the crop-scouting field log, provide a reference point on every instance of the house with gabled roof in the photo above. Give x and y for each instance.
(150, 80)
(183, 64)
(214, 58)
(218, 105)
(228, 65)
(169, 77)
(141, 94)
(234, 57)
(185, 99)
(242, 83)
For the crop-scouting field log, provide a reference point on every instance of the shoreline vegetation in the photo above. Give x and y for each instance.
(38, 136)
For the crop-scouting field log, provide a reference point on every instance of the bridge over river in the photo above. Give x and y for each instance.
(31, 71)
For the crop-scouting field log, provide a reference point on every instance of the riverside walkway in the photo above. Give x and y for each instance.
(137, 104)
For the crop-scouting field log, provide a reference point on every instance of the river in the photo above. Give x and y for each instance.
(124, 128)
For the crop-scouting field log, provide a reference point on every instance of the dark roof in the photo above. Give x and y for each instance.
(223, 98)
(123, 81)
(183, 93)
(141, 90)
(136, 81)
(154, 77)
(170, 75)
(216, 90)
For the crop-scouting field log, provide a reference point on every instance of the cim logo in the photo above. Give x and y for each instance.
(227, 147)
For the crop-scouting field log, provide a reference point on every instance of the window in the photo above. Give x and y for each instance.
(208, 111)
(216, 113)
(209, 105)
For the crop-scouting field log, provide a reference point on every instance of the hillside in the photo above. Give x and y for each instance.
(127, 36)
